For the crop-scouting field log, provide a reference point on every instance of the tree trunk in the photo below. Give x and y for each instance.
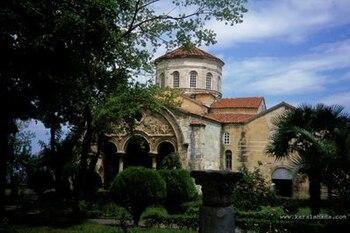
(7, 127)
(4, 150)
(315, 193)
(86, 144)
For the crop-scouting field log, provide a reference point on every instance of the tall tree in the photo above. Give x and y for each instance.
(313, 133)
(61, 59)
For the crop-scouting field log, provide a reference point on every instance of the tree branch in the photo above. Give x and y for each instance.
(159, 17)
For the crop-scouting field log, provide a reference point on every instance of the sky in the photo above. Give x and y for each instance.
(296, 51)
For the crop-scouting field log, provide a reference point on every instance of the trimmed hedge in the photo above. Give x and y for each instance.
(180, 188)
(135, 188)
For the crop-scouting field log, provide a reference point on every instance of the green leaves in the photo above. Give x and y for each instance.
(319, 135)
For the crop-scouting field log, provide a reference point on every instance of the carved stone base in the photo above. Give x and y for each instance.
(217, 219)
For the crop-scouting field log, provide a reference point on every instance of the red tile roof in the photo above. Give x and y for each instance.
(247, 102)
(230, 117)
(197, 123)
(183, 52)
(221, 117)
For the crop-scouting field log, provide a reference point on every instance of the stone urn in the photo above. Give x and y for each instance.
(217, 212)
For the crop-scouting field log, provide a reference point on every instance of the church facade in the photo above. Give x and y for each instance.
(207, 131)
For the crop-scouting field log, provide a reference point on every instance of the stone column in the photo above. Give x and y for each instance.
(217, 213)
(121, 161)
(154, 159)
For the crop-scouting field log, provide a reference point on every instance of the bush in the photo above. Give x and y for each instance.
(180, 188)
(135, 188)
(251, 191)
(172, 221)
(171, 161)
(154, 212)
(192, 207)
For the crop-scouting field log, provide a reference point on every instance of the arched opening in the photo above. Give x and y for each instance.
(110, 164)
(193, 79)
(176, 79)
(164, 149)
(162, 80)
(228, 160)
(282, 179)
(137, 153)
(208, 81)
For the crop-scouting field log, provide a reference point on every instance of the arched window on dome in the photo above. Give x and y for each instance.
(208, 80)
(193, 79)
(162, 80)
(228, 160)
(176, 79)
(219, 84)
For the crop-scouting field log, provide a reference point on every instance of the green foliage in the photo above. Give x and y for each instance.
(112, 210)
(93, 209)
(181, 221)
(180, 188)
(318, 134)
(154, 212)
(192, 207)
(83, 228)
(136, 188)
(171, 161)
(291, 206)
(64, 62)
(251, 191)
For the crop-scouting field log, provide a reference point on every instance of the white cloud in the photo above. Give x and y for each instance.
(342, 99)
(308, 73)
(291, 82)
(289, 20)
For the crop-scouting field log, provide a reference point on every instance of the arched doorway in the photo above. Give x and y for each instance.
(137, 153)
(164, 149)
(110, 164)
(283, 180)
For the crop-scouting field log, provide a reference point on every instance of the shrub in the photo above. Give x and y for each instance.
(180, 188)
(251, 191)
(174, 221)
(192, 207)
(136, 188)
(154, 212)
(171, 161)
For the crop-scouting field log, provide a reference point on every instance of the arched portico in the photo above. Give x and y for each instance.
(155, 135)
(137, 151)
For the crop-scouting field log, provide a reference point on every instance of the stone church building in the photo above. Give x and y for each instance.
(207, 130)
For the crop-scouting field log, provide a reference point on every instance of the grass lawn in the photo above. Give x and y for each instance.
(84, 228)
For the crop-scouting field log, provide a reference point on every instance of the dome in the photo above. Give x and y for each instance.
(184, 52)
(190, 69)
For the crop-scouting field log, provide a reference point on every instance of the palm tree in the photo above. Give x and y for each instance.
(311, 134)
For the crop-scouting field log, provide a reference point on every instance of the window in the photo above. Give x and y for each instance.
(228, 160)
(218, 84)
(193, 79)
(162, 80)
(176, 79)
(208, 81)
(226, 138)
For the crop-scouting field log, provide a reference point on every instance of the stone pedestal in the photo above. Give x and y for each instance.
(217, 213)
